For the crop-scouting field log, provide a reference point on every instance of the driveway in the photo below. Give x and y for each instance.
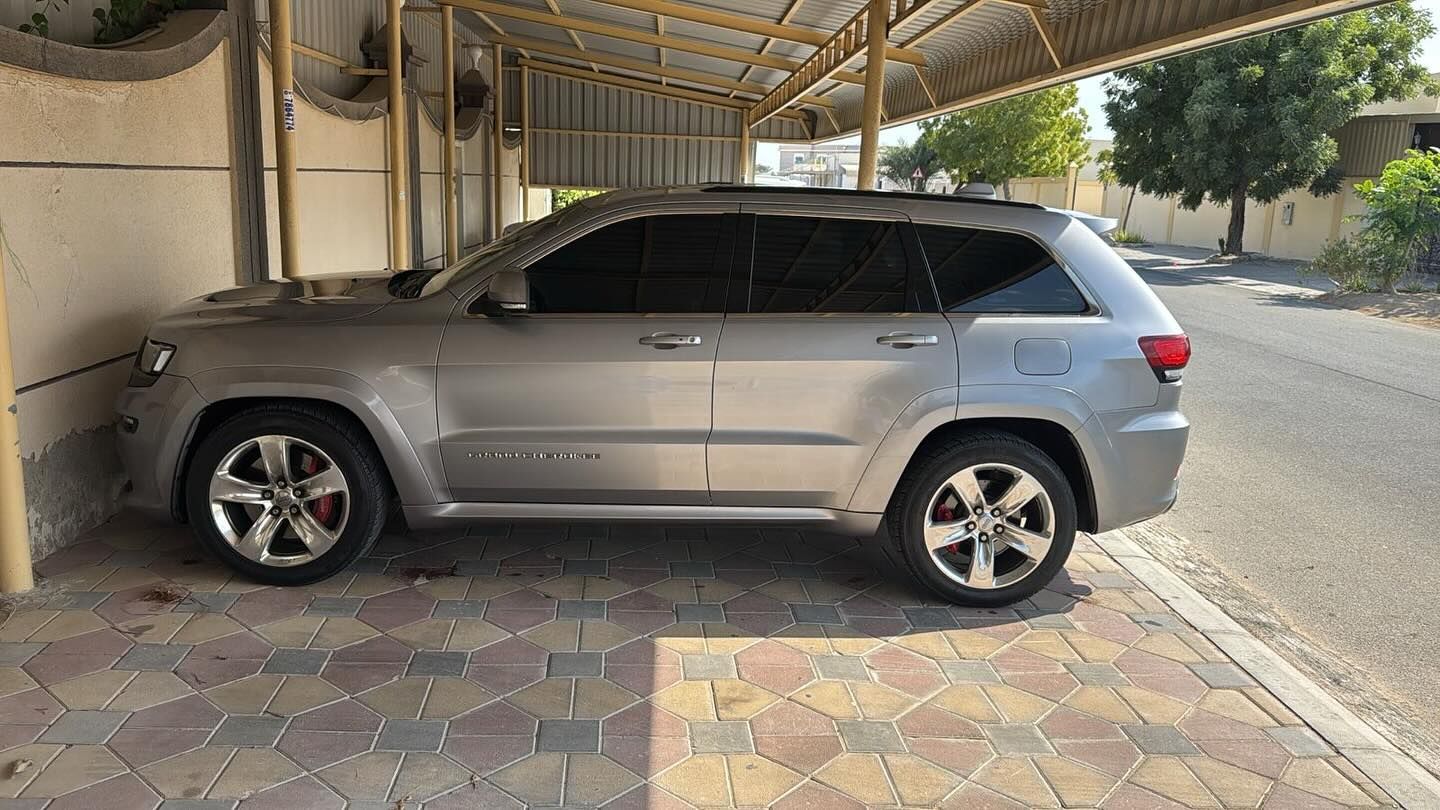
(1310, 507)
(628, 667)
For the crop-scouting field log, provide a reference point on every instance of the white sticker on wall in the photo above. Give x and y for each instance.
(287, 103)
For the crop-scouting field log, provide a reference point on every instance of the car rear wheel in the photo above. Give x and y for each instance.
(287, 494)
(984, 519)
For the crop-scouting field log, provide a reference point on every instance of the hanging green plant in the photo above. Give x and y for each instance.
(127, 18)
(39, 24)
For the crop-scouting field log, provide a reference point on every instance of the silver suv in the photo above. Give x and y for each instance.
(985, 377)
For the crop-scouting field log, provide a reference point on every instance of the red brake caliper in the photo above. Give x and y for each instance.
(944, 514)
(322, 508)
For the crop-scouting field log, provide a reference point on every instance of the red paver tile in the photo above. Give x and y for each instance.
(344, 715)
(1264, 757)
(1201, 725)
(800, 753)
(353, 678)
(107, 642)
(646, 756)
(647, 797)
(1068, 724)
(48, 668)
(645, 720)
(192, 711)
(930, 721)
(381, 649)
(496, 719)
(306, 792)
(1051, 685)
(963, 757)
(269, 605)
(141, 746)
(814, 796)
(1114, 758)
(787, 719)
(314, 750)
(771, 653)
(485, 755)
(643, 679)
(125, 791)
(920, 685)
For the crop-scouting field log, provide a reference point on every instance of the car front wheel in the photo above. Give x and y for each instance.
(984, 519)
(287, 495)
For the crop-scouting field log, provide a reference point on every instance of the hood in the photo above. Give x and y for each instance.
(310, 300)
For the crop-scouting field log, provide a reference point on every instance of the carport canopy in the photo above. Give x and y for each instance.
(619, 93)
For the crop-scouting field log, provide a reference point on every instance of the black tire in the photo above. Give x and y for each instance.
(929, 471)
(338, 436)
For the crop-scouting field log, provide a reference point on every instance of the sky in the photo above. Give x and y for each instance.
(1092, 99)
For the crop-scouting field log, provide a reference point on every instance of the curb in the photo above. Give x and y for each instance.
(1404, 779)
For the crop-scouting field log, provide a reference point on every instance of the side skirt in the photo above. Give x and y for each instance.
(861, 524)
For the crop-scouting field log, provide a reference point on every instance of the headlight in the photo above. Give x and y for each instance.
(150, 362)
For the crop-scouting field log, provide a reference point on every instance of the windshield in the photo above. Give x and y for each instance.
(518, 237)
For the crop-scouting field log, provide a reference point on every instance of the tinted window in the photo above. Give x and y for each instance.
(993, 271)
(658, 264)
(815, 264)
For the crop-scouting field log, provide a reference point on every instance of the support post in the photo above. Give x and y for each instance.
(447, 59)
(395, 64)
(286, 177)
(525, 142)
(15, 572)
(747, 168)
(875, 32)
(498, 148)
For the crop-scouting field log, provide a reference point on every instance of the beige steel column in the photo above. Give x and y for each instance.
(875, 34)
(747, 168)
(452, 207)
(498, 149)
(15, 572)
(525, 142)
(282, 85)
(399, 169)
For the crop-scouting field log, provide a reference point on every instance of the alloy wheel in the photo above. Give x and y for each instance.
(989, 526)
(279, 501)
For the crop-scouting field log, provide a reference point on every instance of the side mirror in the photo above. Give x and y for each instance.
(509, 293)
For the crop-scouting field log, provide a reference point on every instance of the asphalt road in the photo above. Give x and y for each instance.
(1310, 498)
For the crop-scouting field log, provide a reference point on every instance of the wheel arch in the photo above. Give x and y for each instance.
(226, 396)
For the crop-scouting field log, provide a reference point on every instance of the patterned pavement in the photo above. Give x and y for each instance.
(627, 667)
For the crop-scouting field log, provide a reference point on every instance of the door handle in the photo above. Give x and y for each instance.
(665, 340)
(905, 340)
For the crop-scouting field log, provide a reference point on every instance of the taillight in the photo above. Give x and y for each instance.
(1167, 355)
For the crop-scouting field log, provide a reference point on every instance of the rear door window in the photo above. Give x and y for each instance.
(982, 271)
(823, 265)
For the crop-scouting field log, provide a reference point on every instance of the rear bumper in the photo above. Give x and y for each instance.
(1135, 458)
(154, 426)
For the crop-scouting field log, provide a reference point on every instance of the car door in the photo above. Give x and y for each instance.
(834, 332)
(601, 392)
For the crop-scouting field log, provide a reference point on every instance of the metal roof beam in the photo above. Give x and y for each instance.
(641, 66)
(635, 35)
(826, 63)
(748, 25)
(639, 85)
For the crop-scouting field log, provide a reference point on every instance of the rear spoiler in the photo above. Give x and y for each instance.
(1100, 225)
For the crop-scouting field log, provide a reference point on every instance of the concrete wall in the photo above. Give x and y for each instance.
(116, 202)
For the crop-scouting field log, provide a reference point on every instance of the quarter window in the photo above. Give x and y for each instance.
(824, 265)
(657, 264)
(980, 271)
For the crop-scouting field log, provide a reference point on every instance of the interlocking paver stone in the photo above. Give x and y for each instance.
(1300, 741)
(816, 614)
(721, 737)
(582, 609)
(1222, 675)
(576, 665)
(1017, 739)
(429, 662)
(571, 736)
(246, 730)
(586, 568)
(334, 606)
(704, 614)
(869, 736)
(411, 735)
(1161, 740)
(207, 602)
(841, 668)
(153, 657)
(708, 667)
(84, 727)
(691, 569)
(198, 804)
(296, 662)
(826, 678)
(789, 570)
(926, 618)
(1097, 674)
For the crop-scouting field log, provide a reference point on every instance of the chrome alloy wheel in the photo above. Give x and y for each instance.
(989, 526)
(279, 501)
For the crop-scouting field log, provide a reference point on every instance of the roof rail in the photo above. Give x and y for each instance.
(730, 188)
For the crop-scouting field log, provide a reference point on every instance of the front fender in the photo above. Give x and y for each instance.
(948, 405)
(402, 423)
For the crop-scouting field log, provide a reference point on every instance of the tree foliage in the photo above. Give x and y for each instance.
(1035, 135)
(899, 163)
(561, 197)
(1254, 119)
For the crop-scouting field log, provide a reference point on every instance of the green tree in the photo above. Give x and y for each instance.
(1105, 162)
(762, 168)
(1253, 119)
(1035, 135)
(899, 163)
(1404, 210)
(561, 197)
